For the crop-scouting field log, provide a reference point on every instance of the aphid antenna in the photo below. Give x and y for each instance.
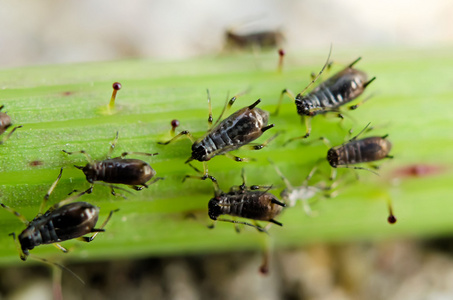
(70, 199)
(58, 266)
(319, 74)
(362, 131)
(359, 168)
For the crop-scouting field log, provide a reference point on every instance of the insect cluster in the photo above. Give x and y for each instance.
(72, 219)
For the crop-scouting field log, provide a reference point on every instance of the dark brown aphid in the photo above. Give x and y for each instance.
(359, 151)
(245, 202)
(63, 221)
(237, 130)
(133, 172)
(330, 95)
(259, 39)
(341, 88)
(5, 123)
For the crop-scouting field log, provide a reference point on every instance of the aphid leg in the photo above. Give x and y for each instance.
(185, 133)
(59, 266)
(285, 180)
(275, 222)
(362, 131)
(355, 106)
(256, 146)
(139, 188)
(124, 154)
(22, 254)
(259, 228)
(212, 226)
(237, 158)
(47, 195)
(266, 253)
(70, 199)
(307, 121)
(204, 177)
(112, 145)
(60, 247)
(97, 230)
(88, 157)
(9, 134)
(282, 94)
(281, 55)
(16, 213)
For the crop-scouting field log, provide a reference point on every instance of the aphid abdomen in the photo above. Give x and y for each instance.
(124, 171)
(359, 151)
(254, 205)
(74, 220)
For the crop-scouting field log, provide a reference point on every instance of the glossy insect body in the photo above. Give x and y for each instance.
(359, 151)
(235, 131)
(119, 170)
(240, 128)
(336, 91)
(64, 221)
(245, 202)
(255, 205)
(67, 222)
(133, 172)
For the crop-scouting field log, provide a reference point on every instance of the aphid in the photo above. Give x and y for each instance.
(5, 123)
(245, 202)
(133, 172)
(235, 131)
(63, 221)
(259, 39)
(304, 193)
(330, 95)
(116, 87)
(359, 151)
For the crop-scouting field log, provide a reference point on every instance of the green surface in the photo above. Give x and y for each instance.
(64, 107)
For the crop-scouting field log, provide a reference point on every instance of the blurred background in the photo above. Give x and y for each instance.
(48, 32)
(60, 32)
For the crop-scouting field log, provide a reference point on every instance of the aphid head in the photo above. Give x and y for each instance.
(333, 157)
(199, 152)
(214, 209)
(28, 240)
(304, 107)
(89, 171)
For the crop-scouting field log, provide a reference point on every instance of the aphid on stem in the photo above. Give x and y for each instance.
(357, 151)
(63, 221)
(330, 95)
(245, 202)
(132, 172)
(235, 131)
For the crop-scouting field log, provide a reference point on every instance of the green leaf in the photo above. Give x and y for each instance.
(65, 107)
